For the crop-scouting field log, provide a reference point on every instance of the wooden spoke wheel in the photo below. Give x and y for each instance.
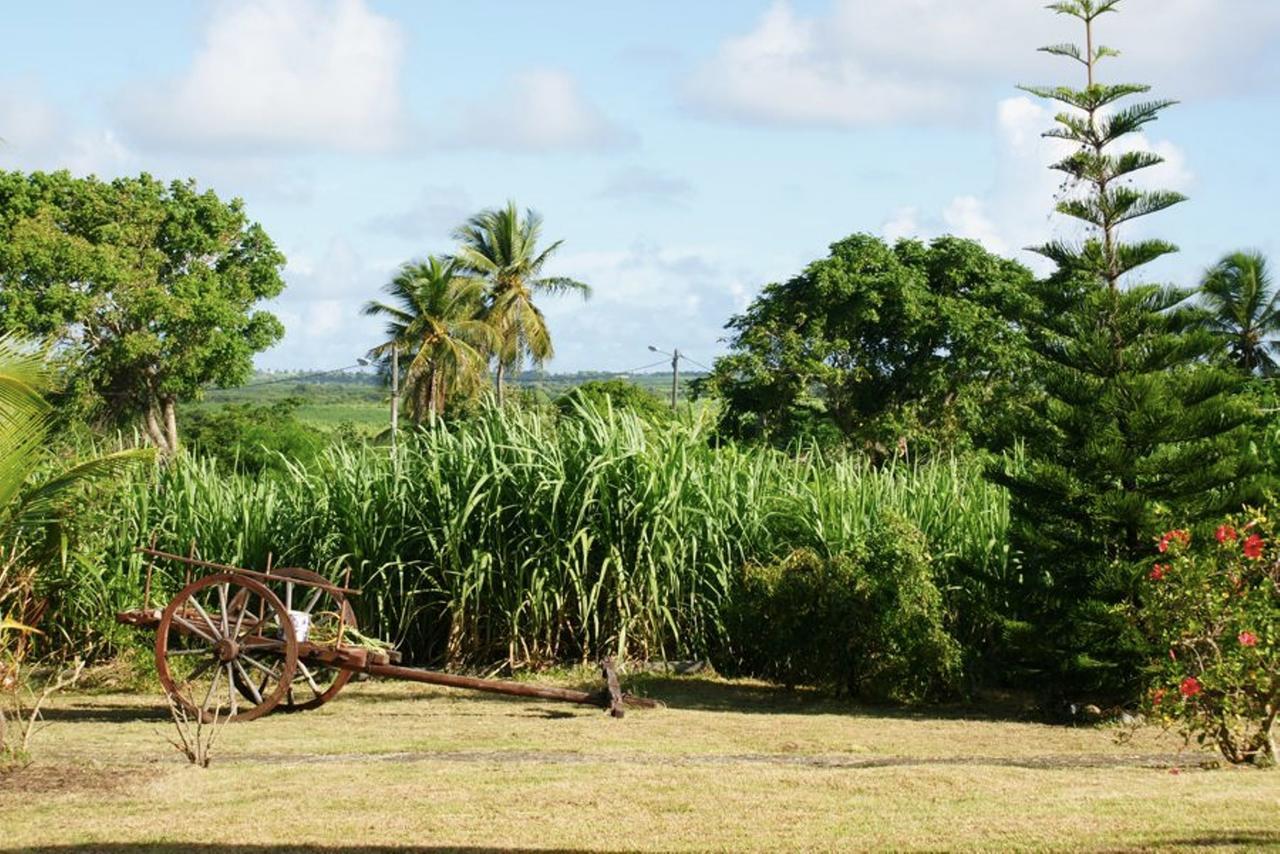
(314, 683)
(225, 646)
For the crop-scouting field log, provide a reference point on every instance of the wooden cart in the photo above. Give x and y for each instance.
(239, 644)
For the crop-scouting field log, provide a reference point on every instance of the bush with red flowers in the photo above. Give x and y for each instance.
(1212, 607)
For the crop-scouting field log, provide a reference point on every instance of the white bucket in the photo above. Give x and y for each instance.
(301, 624)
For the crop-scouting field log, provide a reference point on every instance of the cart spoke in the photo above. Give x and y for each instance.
(205, 615)
(194, 629)
(306, 673)
(312, 600)
(254, 693)
(200, 669)
(222, 607)
(269, 671)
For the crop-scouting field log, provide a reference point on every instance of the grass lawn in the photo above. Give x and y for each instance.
(727, 766)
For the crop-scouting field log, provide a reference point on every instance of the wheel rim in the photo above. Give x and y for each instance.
(222, 630)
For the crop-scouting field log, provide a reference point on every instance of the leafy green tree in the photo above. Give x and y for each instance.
(1136, 422)
(881, 345)
(434, 319)
(1244, 309)
(254, 438)
(618, 394)
(501, 247)
(148, 289)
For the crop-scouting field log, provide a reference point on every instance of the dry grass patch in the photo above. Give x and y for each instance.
(728, 766)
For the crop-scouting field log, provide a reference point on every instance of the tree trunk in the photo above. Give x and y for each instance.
(170, 407)
(152, 425)
(498, 381)
(433, 395)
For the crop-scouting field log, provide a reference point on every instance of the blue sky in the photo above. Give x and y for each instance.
(688, 153)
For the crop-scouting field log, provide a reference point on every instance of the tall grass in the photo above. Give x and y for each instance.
(521, 538)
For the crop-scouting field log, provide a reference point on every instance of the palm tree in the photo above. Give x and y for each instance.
(434, 318)
(501, 248)
(1244, 309)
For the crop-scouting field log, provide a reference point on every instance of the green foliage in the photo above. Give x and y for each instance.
(882, 345)
(500, 247)
(39, 532)
(618, 394)
(1212, 611)
(147, 288)
(529, 539)
(35, 497)
(252, 439)
(1137, 420)
(869, 621)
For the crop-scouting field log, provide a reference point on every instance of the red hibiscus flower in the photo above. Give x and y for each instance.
(1225, 533)
(1247, 639)
(1253, 547)
(1158, 571)
(1190, 687)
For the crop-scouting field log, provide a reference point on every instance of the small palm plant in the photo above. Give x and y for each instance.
(34, 512)
(434, 319)
(500, 247)
(1244, 309)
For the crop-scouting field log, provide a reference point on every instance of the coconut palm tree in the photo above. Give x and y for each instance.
(501, 247)
(1244, 309)
(434, 319)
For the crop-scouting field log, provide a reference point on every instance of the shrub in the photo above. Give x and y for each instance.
(868, 621)
(618, 394)
(252, 438)
(1213, 608)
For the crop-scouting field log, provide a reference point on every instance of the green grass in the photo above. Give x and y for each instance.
(727, 766)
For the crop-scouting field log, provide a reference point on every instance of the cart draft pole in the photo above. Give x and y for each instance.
(247, 641)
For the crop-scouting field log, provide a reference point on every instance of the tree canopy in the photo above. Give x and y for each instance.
(884, 345)
(147, 290)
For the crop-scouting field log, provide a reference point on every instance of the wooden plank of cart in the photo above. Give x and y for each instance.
(238, 644)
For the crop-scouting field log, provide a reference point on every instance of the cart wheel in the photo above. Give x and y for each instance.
(314, 684)
(222, 633)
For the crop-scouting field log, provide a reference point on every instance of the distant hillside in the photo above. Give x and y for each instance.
(359, 397)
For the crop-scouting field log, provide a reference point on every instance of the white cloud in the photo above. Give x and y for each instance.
(1016, 210)
(320, 307)
(279, 74)
(538, 110)
(37, 136)
(868, 62)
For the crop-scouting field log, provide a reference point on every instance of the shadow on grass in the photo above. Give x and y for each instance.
(1250, 839)
(84, 713)
(702, 694)
(207, 848)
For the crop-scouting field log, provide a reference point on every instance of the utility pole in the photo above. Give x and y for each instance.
(675, 377)
(395, 395)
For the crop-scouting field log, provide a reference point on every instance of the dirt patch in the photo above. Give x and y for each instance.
(41, 779)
